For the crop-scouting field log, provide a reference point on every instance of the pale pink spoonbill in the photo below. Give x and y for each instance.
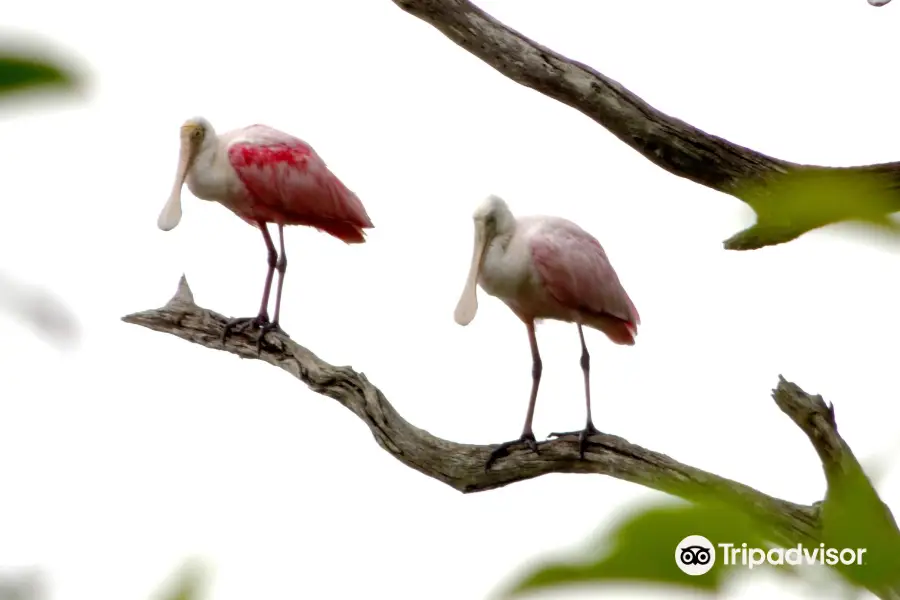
(546, 268)
(264, 176)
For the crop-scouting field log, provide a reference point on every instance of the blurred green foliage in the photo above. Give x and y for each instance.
(853, 516)
(187, 584)
(19, 73)
(33, 306)
(787, 205)
(642, 548)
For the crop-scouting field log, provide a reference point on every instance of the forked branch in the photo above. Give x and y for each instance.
(789, 199)
(461, 466)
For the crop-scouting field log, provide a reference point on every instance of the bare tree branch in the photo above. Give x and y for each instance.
(461, 466)
(817, 421)
(867, 193)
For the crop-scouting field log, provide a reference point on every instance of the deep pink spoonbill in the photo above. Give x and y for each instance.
(546, 268)
(264, 176)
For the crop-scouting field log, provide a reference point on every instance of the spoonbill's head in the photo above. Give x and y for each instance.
(196, 135)
(491, 218)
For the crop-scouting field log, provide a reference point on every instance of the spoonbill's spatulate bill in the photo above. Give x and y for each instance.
(546, 268)
(264, 176)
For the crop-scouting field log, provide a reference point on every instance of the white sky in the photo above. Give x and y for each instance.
(139, 450)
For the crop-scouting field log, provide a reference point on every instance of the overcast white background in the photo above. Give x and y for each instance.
(138, 450)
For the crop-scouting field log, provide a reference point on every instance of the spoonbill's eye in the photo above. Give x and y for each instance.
(197, 133)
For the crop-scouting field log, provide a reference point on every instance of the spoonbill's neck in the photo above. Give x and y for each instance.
(505, 264)
(211, 174)
(208, 153)
(505, 233)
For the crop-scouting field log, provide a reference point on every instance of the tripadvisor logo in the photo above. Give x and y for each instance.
(696, 555)
(799, 555)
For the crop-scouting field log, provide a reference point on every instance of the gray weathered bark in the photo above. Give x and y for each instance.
(777, 190)
(461, 466)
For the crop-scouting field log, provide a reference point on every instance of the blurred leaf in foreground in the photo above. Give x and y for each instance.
(787, 205)
(40, 311)
(21, 584)
(29, 63)
(854, 517)
(21, 72)
(188, 584)
(644, 546)
(642, 549)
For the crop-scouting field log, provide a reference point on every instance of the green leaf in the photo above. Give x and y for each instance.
(643, 549)
(854, 517)
(787, 205)
(21, 72)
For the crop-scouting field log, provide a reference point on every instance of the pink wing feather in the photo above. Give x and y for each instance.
(578, 275)
(288, 183)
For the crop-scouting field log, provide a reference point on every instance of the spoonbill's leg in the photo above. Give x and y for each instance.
(263, 317)
(527, 436)
(589, 429)
(281, 267)
(272, 259)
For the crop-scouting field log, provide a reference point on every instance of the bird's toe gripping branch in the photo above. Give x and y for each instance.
(260, 322)
(272, 327)
(241, 323)
(584, 437)
(528, 440)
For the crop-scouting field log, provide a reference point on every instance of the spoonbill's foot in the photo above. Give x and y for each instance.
(583, 437)
(242, 323)
(503, 449)
(266, 328)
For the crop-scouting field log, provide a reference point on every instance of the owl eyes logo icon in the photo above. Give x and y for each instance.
(695, 555)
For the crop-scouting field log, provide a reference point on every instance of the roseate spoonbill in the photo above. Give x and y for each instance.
(264, 176)
(546, 268)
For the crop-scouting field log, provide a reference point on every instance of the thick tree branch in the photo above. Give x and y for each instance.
(789, 199)
(461, 466)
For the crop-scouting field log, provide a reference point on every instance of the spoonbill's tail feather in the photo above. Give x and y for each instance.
(618, 331)
(346, 232)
